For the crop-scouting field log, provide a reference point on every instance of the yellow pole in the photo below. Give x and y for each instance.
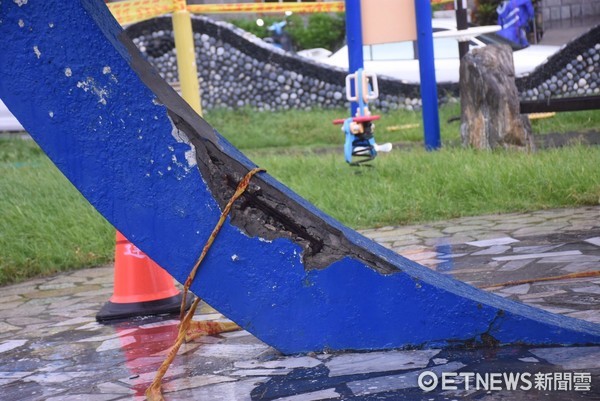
(186, 57)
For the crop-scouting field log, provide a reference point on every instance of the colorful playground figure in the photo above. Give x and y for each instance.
(360, 139)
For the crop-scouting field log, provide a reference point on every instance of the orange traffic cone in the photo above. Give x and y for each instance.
(141, 287)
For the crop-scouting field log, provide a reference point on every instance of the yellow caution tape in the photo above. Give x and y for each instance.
(328, 7)
(321, 7)
(131, 11)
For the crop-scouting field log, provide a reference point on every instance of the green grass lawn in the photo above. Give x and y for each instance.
(47, 226)
(45, 223)
(409, 186)
(249, 130)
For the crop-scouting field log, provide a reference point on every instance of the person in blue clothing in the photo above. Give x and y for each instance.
(514, 17)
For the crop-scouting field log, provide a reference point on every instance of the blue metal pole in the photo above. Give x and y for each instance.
(354, 41)
(431, 119)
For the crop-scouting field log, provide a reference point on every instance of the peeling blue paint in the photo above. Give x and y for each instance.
(112, 137)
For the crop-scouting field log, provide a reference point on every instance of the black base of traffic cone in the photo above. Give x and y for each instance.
(118, 311)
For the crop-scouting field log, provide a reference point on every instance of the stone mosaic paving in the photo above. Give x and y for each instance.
(51, 348)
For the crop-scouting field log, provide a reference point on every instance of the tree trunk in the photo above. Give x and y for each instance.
(490, 101)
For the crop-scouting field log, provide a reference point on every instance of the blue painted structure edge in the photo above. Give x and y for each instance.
(280, 268)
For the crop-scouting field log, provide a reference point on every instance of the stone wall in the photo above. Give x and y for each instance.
(569, 10)
(236, 69)
(573, 71)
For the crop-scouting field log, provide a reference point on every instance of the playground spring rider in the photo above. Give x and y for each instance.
(360, 140)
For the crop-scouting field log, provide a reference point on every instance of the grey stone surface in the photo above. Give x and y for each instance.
(493, 242)
(595, 241)
(237, 70)
(398, 382)
(351, 364)
(583, 358)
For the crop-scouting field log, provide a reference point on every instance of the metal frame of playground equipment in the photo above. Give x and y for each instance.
(360, 140)
(354, 35)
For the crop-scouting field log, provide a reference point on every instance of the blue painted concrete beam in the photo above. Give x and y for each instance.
(280, 268)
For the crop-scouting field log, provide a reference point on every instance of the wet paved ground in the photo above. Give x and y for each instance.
(51, 348)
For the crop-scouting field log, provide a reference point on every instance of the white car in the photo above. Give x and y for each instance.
(399, 60)
(8, 122)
